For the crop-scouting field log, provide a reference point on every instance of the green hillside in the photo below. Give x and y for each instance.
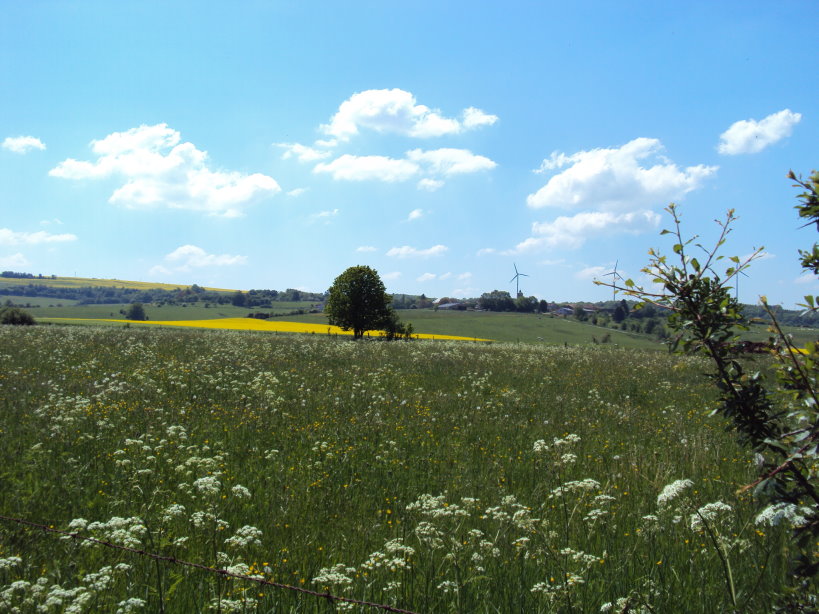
(85, 282)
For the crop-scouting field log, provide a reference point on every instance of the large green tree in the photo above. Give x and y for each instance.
(358, 301)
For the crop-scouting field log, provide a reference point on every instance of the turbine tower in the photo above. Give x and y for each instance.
(516, 279)
(615, 276)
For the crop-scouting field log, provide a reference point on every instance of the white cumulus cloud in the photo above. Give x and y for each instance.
(396, 111)
(157, 169)
(364, 249)
(187, 257)
(324, 215)
(473, 118)
(751, 136)
(629, 177)
(590, 273)
(22, 144)
(10, 237)
(450, 161)
(425, 277)
(573, 231)
(411, 252)
(430, 185)
(13, 261)
(366, 168)
(304, 153)
(415, 214)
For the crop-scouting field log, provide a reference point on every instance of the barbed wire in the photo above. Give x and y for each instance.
(215, 570)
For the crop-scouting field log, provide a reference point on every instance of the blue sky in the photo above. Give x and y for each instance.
(273, 144)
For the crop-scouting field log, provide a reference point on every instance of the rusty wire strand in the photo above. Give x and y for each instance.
(222, 572)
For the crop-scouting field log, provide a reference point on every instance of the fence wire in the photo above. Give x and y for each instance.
(214, 570)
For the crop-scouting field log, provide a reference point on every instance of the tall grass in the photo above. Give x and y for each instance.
(437, 477)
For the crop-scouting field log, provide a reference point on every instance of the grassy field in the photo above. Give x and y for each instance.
(85, 282)
(436, 477)
(513, 327)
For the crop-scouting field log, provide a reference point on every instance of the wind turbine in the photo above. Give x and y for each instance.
(516, 279)
(614, 277)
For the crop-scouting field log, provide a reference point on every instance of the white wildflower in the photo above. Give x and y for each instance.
(709, 514)
(207, 485)
(245, 536)
(130, 605)
(240, 492)
(337, 575)
(795, 516)
(672, 491)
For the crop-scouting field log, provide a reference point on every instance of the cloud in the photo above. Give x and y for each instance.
(365, 249)
(751, 136)
(805, 278)
(474, 118)
(297, 192)
(14, 261)
(22, 144)
(410, 252)
(448, 161)
(324, 215)
(464, 292)
(187, 257)
(590, 273)
(396, 111)
(573, 231)
(391, 276)
(464, 276)
(159, 170)
(57, 221)
(445, 276)
(430, 185)
(437, 162)
(415, 214)
(486, 250)
(616, 179)
(304, 153)
(365, 168)
(10, 237)
(425, 277)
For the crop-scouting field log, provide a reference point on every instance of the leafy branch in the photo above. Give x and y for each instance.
(776, 416)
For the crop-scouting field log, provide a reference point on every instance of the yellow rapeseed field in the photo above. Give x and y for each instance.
(263, 325)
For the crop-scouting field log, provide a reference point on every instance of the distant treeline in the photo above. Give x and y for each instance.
(99, 295)
(788, 317)
(16, 275)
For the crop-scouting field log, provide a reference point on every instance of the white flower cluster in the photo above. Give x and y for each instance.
(795, 516)
(240, 492)
(672, 491)
(9, 562)
(575, 486)
(709, 514)
(121, 531)
(245, 536)
(437, 507)
(208, 485)
(337, 575)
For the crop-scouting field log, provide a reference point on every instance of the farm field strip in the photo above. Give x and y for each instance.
(277, 326)
(446, 477)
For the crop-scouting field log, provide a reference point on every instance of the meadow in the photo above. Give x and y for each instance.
(434, 477)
